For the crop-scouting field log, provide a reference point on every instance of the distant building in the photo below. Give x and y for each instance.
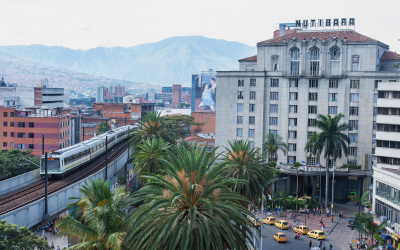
(110, 94)
(131, 99)
(32, 96)
(76, 123)
(176, 95)
(131, 111)
(23, 129)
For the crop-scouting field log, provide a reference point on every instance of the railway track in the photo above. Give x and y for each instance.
(35, 191)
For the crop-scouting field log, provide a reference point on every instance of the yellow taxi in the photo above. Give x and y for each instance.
(302, 229)
(254, 222)
(282, 224)
(269, 220)
(280, 237)
(304, 198)
(316, 234)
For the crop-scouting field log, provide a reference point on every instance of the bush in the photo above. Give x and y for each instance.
(351, 166)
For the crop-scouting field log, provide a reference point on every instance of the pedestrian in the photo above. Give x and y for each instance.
(50, 231)
(330, 246)
(45, 238)
(52, 245)
(58, 248)
(320, 244)
(55, 231)
(310, 244)
(63, 235)
(323, 245)
(342, 214)
(43, 233)
(308, 213)
(332, 217)
(302, 223)
(322, 226)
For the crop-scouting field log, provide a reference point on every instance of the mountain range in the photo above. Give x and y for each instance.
(170, 61)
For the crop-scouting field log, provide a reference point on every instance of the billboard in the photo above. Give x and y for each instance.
(204, 91)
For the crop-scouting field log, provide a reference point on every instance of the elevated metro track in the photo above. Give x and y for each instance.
(36, 191)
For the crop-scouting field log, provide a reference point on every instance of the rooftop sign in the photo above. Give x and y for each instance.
(326, 23)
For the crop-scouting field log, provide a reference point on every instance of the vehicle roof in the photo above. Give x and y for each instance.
(318, 231)
(282, 220)
(301, 226)
(280, 233)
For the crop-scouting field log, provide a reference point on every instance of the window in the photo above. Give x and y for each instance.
(21, 146)
(356, 63)
(333, 83)
(249, 68)
(313, 96)
(353, 151)
(30, 146)
(5, 144)
(11, 134)
(375, 98)
(311, 160)
(292, 147)
(12, 144)
(377, 83)
(239, 132)
(352, 162)
(312, 109)
(314, 62)
(354, 84)
(275, 63)
(274, 95)
(31, 135)
(353, 110)
(291, 158)
(353, 137)
(252, 95)
(294, 83)
(293, 96)
(31, 125)
(392, 80)
(313, 83)
(332, 110)
(240, 107)
(240, 94)
(11, 124)
(273, 108)
(21, 135)
(335, 61)
(274, 83)
(292, 134)
(275, 132)
(5, 124)
(11, 114)
(273, 121)
(311, 122)
(354, 124)
(252, 120)
(293, 109)
(5, 114)
(292, 121)
(21, 124)
(294, 61)
(251, 132)
(240, 83)
(252, 108)
(353, 97)
(4, 134)
(240, 120)
(333, 97)
(253, 83)
(374, 126)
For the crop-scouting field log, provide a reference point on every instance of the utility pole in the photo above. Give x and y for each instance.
(83, 139)
(333, 185)
(125, 121)
(46, 205)
(42, 144)
(106, 157)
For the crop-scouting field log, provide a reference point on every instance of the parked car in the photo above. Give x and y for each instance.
(351, 221)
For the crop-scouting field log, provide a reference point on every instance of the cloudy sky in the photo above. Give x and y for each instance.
(83, 24)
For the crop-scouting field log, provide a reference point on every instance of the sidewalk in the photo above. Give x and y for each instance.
(58, 241)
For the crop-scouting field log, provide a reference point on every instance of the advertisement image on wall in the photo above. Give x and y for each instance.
(204, 86)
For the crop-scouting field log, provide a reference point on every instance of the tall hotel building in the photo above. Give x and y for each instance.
(295, 77)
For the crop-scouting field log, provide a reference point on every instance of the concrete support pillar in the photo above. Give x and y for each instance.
(346, 189)
(314, 187)
(288, 181)
(360, 186)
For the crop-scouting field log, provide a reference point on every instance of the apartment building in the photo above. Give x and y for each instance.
(24, 128)
(32, 96)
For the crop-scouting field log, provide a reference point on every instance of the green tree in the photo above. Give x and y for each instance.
(364, 224)
(152, 126)
(160, 105)
(332, 139)
(185, 144)
(12, 162)
(244, 163)
(296, 165)
(97, 217)
(273, 143)
(14, 238)
(360, 200)
(103, 127)
(179, 125)
(190, 208)
(147, 157)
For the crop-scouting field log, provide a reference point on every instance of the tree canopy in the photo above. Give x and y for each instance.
(179, 124)
(14, 238)
(12, 164)
(103, 127)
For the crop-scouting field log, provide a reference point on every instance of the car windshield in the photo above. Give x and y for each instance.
(284, 223)
(282, 236)
(305, 227)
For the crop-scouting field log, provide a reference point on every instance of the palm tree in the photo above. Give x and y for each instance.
(332, 140)
(97, 218)
(364, 224)
(152, 126)
(244, 163)
(296, 165)
(147, 157)
(273, 143)
(360, 200)
(190, 207)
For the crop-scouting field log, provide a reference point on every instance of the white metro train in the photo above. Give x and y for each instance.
(68, 159)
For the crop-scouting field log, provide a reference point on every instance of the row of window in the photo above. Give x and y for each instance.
(388, 127)
(388, 160)
(388, 111)
(253, 83)
(19, 146)
(5, 114)
(241, 95)
(20, 124)
(252, 120)
(239, 132)
(252, 107)
(63, 134)
(64, 124)
(389, 94)
(387, 144)
(19, 135)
